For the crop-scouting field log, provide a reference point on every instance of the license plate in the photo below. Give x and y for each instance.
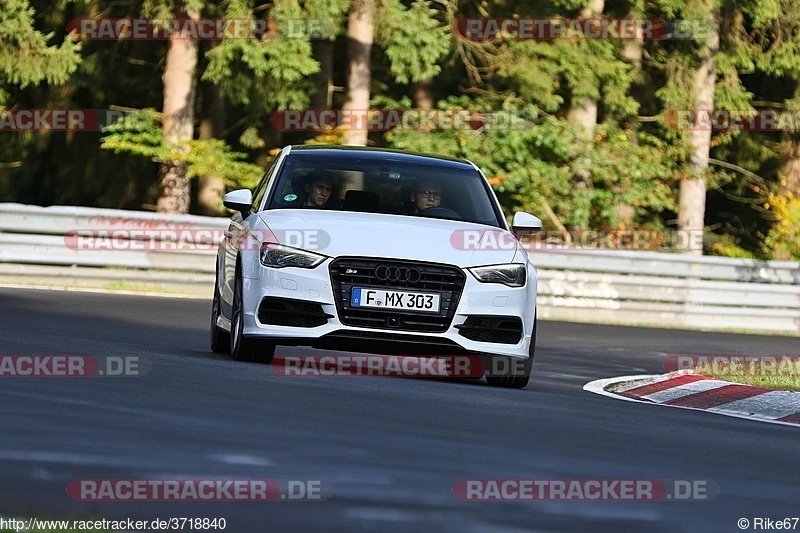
(410, 301)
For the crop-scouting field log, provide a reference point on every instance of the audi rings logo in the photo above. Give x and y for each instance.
(390, 273)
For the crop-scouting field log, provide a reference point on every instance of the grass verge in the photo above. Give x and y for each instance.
(783, 375)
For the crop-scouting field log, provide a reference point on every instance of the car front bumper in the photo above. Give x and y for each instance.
(314, 286)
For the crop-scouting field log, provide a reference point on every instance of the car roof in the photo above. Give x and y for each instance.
(377, 154)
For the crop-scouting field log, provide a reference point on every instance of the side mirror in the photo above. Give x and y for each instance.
(239, 200)
(525, 223)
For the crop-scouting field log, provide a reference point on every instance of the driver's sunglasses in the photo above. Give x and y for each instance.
(437, 195)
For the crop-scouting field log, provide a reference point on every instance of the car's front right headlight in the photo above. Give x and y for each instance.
(512, 275)
(279, 256)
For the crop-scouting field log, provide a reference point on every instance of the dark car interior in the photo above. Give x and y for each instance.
(387, 189)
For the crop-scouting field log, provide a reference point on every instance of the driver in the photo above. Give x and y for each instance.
(426, 194)
(318, 191)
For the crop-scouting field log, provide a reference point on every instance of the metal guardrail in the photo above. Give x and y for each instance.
(584, 285)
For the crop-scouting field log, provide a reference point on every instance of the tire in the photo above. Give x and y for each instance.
(244, 348)
(220, 339)
(513, 374)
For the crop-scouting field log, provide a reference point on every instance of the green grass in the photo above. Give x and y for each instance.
(785, 375)
(140, 287)
(779, 373)
(615, 387)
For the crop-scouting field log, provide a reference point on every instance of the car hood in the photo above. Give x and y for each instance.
(339, 233)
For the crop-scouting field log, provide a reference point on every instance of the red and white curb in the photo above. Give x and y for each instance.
(686, 390)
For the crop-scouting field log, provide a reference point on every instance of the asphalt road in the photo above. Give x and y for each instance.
(391, 448)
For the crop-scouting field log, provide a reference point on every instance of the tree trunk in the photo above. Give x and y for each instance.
(790, 172)
(210, 188)
(790, 151)
(323, 52)
(584, 110)
(692, 209)
(422, 93)
(584, 114)
(360, 34)
(633, 52)
(178, 114)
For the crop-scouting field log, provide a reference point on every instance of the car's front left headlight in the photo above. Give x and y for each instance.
(280, 256)
(512, 275)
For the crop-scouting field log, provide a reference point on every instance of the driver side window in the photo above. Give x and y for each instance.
(261, 188)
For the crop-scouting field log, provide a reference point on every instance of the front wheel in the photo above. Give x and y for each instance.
(510, 373)
(244, 348)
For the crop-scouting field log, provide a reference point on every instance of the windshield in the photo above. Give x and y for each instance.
(378, 183)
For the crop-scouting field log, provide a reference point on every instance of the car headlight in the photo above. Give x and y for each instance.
(280, 256)
(511, 275)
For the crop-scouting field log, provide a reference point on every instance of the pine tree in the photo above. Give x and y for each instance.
(258, 75)
(180, 95)
(25, 56)
(703, 74)
(360, 36)
(781, 59)
(414, 41)
(780, 41)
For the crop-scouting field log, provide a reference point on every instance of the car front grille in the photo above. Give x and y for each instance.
(349, 272)
(295, 313)
(495, 329)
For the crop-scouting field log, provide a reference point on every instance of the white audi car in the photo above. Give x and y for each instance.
(376, 250)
